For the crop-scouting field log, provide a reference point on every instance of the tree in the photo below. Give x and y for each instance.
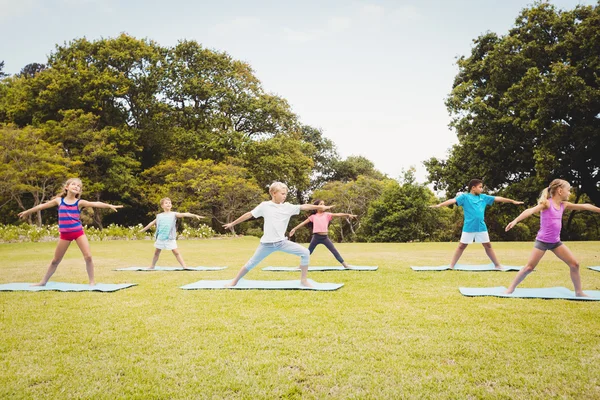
(354, 166)
(30, 70)
(32, 170)
(525, 106)
(402, 214)
(2, 73)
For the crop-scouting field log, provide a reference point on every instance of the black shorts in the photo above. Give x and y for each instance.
(546, 246)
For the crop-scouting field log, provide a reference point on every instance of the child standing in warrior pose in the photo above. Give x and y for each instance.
(551, 205)
(474, 228)
(320, 221)
(69, 205)
(276, 214)
(166, 231)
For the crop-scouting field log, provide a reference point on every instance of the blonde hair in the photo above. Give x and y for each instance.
(276, 187)
(551, 190)
(67, 183)
(163, 200)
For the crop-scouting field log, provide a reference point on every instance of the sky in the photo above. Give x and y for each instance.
(372, 75)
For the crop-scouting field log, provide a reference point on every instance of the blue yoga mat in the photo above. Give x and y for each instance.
(157, 268)
(268, 285)
(336, 268)
(595, 268)
(532, 293)
(65, 287)
(464, 267)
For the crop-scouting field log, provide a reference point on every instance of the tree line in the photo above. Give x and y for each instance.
(137, 121)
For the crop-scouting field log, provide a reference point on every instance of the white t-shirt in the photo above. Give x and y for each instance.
(277, 217)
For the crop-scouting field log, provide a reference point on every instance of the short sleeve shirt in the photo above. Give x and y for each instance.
(320, 221)
(474, 210)
(276, 219)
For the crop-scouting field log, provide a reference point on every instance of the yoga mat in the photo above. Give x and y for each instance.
(337, 268)
(157, 268)
(595, 268)
(269, 285)
(532, 293)
(464, 267)
(65, 287)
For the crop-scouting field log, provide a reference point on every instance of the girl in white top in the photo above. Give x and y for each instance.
(276, 214)
(166, 231)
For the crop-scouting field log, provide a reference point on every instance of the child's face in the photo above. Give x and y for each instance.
(564, 192)
(478, 189)
(279, 196)
(74, 187)
(166, 205)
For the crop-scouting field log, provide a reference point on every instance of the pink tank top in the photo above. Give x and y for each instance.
(550, 224)
(320, 222)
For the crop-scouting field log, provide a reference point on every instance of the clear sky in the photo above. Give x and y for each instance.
(373, 75)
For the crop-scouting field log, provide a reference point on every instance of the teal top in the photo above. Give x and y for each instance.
(165, 226)
(474, 207)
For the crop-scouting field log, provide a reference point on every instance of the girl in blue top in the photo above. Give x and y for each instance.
(474, 228)
(166, 231)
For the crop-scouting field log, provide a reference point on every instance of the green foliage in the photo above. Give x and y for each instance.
(525, 105)
(353, 167)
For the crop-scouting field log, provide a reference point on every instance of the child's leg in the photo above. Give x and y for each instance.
(490, 253)
(61, 249)
(564, 253)
(534, 259)
(296, 249)
(155, 258)
(459, 251)
(329, 244)
(84, 246)
(179, 258)
(314, 241)
(261, 252)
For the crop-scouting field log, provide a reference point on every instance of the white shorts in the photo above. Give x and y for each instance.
(477, 237)
(165, 244)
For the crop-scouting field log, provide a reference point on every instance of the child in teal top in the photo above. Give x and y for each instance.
(166, 231)
(474, 228)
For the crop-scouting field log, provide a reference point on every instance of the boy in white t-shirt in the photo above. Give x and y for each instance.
(276, 214)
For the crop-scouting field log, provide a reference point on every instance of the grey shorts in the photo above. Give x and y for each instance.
(546, 246)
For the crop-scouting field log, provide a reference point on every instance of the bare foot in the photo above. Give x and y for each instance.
(581, 294)
(92, 283)
(306, 283)
(347, 266)
(38, 284)
(150, 268)
(508, 291)
(498, 267)
(230, 284)
(452, 267)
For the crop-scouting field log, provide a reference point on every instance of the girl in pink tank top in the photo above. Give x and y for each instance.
(69, 204)
(320, 227)
(551, 205)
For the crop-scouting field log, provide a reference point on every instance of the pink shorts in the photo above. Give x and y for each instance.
(70, 236)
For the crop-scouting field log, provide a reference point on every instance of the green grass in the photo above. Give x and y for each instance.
(393, 333)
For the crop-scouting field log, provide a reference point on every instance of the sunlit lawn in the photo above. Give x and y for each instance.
(392, 333)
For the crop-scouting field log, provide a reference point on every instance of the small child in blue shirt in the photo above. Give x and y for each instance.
(474, 228)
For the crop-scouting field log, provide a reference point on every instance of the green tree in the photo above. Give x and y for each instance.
(354, 166)
(32, 170)
(525, 105)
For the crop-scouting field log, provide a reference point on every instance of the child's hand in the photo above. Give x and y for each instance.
(517, 202)
(292, 232)
(327, 207)
(228, 226)
(435, 206)
(199, 216)
(23, 214)
(114, 208)
(510, 226)
(352, 215)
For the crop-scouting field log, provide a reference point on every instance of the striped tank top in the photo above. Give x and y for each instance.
(68, 217)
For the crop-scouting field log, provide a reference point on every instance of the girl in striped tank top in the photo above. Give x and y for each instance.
(69, 205)
(551, 205)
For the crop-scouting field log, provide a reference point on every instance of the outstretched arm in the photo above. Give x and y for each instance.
(445, 203)
(523, 215)
(344, 215)
(98, 204)
(241, 219)
(52, 203)
(505, 200)
(312, 207)
(144, 229)
(189, 215)
(301, 224)
(581, 207)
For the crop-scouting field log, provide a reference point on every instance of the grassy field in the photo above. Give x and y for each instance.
(393, 333)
